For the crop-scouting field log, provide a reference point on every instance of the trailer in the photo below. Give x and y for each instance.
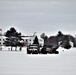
(49, 49)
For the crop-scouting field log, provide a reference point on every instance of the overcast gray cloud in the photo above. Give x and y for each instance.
(47, 16)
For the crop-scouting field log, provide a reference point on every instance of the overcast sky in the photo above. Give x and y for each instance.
(48, 16)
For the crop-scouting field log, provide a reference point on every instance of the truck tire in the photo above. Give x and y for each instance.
(28, 52)
(56, 52)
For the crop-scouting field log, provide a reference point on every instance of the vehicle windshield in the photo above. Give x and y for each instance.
(33, 47)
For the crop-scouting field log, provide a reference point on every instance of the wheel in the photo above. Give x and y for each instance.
(43, 51)
(28, 52)
(56, 52)
(36, 52)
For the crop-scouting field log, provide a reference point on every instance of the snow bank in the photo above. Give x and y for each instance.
(20, 63)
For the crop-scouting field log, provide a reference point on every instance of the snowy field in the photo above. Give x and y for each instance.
(19, 63)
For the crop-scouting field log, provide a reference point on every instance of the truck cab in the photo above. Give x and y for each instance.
(33, 49)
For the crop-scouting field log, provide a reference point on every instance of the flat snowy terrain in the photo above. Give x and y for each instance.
(20, 63)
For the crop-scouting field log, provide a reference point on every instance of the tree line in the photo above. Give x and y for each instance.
(14, 39)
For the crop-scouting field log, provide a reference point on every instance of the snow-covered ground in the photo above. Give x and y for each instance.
(20, 63)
